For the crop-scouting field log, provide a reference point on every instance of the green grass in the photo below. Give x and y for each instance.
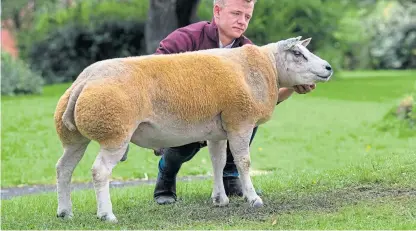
(368, 89)
(297, 202)
(319, 145)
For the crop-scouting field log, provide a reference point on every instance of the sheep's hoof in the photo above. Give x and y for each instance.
(65, 214)
(256, 203)
(108, 217)
(220, 201)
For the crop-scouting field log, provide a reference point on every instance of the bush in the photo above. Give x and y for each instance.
(401, 120)
(17, 78)
(61, 43)
(393, 43)
(373, 37)
(62, 55)
(52, 17)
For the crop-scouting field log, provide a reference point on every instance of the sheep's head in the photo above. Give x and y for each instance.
(297, 65)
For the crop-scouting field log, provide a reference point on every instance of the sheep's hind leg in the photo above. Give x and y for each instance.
(101, 171)
(64, 169)
(217, 150)
(239, 146)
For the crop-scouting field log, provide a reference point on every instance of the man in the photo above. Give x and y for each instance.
(230, 21)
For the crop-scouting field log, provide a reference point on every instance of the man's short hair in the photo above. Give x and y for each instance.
(222, 2)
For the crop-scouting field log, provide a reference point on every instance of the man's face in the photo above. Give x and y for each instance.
(233, 17)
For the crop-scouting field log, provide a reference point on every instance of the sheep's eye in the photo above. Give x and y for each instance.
(297, 53)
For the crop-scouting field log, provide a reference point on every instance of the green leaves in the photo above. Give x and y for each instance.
(17, 78)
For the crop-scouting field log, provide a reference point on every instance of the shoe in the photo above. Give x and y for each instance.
(232, 186)
(164, 200)
(165, 191)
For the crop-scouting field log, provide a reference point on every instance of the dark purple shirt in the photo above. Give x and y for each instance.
(197, 36)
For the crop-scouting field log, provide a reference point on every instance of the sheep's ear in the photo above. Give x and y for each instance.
(292, 42)
(305, 42)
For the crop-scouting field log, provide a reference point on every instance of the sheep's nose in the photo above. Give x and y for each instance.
(328, 67)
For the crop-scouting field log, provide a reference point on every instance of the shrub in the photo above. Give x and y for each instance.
(393, 43)
(63, 41)
(52, 17)
(401, 119)
(67, 51)
(17, 78)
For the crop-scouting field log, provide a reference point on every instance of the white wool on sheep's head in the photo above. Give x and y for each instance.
(297, 65)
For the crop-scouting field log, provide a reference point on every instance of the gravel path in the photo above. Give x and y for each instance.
(8, 193)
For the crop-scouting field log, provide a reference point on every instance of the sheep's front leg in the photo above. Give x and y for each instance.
(240, 148)
(101, 171)
(217, 150)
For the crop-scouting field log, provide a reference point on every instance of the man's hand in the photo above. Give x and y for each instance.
(303, 89)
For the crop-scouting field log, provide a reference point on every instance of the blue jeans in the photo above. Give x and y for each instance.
(174, 157)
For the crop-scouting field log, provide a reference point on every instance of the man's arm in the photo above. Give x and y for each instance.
(176, 42)
(285, 93)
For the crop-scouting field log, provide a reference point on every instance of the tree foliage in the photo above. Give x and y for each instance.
(350, 34)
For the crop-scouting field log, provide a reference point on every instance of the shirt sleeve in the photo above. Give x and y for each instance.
(176, 42)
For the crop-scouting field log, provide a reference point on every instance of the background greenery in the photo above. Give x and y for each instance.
(17, 77)
(59, 41)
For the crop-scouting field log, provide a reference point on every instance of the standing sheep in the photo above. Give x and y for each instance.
(145, 100)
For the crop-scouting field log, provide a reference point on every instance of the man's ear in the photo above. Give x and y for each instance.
(305, 42)
(216, 10)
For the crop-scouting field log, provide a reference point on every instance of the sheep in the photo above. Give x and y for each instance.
(157, 101)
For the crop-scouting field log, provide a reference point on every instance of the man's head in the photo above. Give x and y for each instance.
(233, 16)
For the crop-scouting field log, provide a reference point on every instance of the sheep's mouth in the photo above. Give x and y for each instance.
(323, 77)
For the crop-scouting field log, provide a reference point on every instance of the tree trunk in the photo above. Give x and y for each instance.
(164, 17)
(186, 12)
(160, 22)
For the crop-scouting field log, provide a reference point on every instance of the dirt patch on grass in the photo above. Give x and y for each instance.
(331, 200)
(290, 202)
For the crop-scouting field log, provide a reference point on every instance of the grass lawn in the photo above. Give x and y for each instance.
(330, 167)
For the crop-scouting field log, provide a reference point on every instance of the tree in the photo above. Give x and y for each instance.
(18, 13)
(165, 16)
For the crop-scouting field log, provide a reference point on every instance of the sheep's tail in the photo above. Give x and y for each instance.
(68, 116)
